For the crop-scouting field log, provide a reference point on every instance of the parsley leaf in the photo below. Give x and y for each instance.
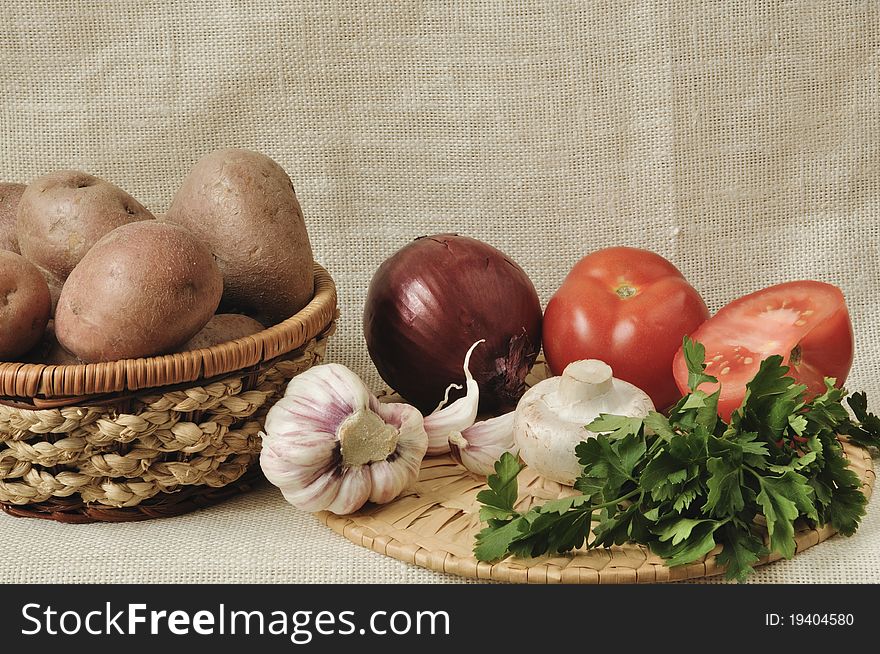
(725, 487)
(695, 358)
(742, 550)
(684, 483)
(771, 399)
(782, 499)
(613, 461)
(658, 424)
(700, 541)
(866, 434)
(494, 541)
(663, 475)
(615, 426)
(847, 509)
(498, 502)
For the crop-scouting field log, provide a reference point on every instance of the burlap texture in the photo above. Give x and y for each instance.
(738, 139)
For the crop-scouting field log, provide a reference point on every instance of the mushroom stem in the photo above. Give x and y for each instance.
(583, 381)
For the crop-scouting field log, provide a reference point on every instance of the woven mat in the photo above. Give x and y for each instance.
(434, 524)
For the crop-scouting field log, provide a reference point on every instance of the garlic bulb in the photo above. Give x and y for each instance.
(329, 444)
(550, 417)
(479, 446)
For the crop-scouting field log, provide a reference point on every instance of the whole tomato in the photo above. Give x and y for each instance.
(630, 308)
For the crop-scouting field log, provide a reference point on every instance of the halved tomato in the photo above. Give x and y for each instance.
(805, 322)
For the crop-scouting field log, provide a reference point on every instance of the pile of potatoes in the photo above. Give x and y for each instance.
(87, 273)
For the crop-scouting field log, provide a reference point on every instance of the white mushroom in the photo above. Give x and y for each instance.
(550, 417)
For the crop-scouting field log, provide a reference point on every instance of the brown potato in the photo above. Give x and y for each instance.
(24, 305)
(49, 350)
(10, 194)
(143, 289)
(54, 293)
(222, 328)
(63, 214)
(243, 206)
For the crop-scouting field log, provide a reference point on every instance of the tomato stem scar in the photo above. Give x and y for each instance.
(625, 291)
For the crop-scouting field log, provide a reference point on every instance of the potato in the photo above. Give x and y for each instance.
(54, 293)
(24, 305)
(10, 194)
(63, 214)
(49, 351)
(222, 328)
(243, 206)
(143, 289)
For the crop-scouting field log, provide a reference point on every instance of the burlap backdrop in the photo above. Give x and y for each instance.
(738, 139)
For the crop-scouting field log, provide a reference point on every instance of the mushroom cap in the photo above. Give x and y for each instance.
(551, 416)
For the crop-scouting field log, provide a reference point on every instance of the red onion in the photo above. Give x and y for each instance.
(430, 301)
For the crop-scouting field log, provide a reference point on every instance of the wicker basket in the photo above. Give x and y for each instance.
(154, 437)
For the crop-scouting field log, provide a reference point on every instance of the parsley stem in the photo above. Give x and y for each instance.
(614, 502)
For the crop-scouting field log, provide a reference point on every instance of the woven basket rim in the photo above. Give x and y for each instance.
(37, 380)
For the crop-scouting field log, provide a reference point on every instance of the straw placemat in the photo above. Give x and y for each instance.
(434, 525)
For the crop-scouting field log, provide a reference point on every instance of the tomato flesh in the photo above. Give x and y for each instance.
(806, 322)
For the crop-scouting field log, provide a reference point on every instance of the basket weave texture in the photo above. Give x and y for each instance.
(434, 525)
(152, 437)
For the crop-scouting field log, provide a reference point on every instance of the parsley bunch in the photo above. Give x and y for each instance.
(683, 483)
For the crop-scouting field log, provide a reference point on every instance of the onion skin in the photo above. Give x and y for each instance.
(430, 301)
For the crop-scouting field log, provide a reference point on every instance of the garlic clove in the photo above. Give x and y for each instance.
(455, 417)
(288, 465)
(405, 417)
(388, 481)
(412, 440)
(445, 400)
(353, 492)
(323, 399)
(391, 477)
(316, 496)
(479, 446)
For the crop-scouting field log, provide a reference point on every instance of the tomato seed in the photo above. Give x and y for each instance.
(748, 360)
(800, 323)
(726, 370)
